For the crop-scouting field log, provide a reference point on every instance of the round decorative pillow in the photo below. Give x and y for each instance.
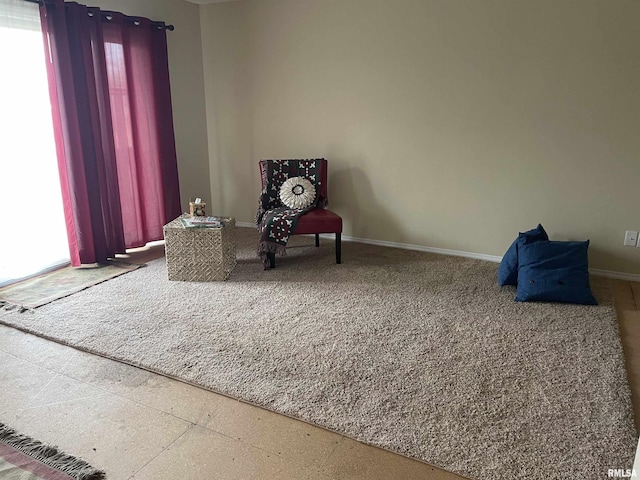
(297, 192)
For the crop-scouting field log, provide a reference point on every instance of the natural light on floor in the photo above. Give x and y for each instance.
(33, 234)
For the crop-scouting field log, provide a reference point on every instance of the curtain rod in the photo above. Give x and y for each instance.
(167, 27)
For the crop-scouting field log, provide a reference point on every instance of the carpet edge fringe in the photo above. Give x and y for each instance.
(50, 455)
(6, 305)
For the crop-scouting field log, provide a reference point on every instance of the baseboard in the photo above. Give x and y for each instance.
(246, 224)
(631, 277)
(422, 248)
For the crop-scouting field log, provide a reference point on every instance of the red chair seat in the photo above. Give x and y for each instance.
(318, 220)
(315, 221)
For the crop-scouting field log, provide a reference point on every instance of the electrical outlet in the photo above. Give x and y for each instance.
(631, 238)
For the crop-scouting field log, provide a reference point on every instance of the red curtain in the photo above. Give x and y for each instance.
(109, 86)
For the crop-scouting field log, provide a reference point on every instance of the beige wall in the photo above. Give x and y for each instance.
(232, 176)
(449, 124)
(187, 86)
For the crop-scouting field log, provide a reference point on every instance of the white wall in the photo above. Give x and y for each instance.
(450, 124)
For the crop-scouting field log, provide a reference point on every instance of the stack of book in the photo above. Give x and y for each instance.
(202, 222)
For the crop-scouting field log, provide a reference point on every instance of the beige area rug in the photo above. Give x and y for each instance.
(23, 458)
(37, 291)
(418, 353)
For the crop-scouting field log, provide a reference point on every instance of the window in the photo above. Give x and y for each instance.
(33, 235)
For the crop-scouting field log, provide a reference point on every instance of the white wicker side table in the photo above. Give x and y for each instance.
(200, 254)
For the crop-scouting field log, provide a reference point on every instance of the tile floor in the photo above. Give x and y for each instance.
(141, 426)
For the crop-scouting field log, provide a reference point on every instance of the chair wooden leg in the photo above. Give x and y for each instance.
(272, 260)
(317, 239)
(338, 248)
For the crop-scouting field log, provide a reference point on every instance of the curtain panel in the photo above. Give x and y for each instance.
(109, 86)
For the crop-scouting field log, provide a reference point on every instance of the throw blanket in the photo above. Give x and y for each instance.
(275, 221)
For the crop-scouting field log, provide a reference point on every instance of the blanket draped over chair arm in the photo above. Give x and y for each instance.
(276, 222)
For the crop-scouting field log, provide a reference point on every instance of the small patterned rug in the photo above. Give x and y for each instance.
(37, 291)
(23, 458)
